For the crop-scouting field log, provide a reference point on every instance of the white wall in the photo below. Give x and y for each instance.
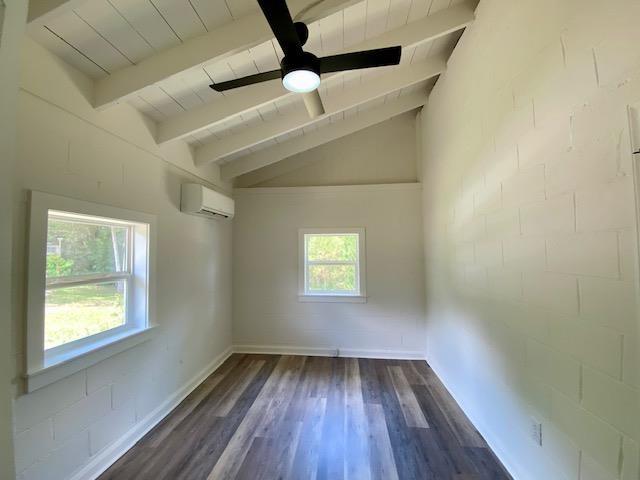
(266, 311)
(67, 148)
(530, 226)
(12, 24)
(382, 153)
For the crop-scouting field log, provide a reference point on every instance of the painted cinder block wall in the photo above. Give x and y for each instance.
(530, 229)
(267, 315)
(13, 15)
(72, 428)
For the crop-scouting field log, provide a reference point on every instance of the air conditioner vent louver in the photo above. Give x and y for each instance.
(209, 213)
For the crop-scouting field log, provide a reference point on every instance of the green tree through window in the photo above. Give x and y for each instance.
(332, 263)
(85, 248)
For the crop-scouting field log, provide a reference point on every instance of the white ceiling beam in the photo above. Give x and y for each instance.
(323, 135)
(228, 39)
(395, 79)
(40, 11)
(414, 33)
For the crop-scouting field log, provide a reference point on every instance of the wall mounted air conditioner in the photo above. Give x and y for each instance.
(199, 200)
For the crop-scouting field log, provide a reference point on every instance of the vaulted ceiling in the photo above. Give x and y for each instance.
(161, 56)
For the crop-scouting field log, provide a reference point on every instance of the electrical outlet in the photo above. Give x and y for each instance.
(535, 430)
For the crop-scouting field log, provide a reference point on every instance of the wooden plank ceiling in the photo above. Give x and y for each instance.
(106, 38)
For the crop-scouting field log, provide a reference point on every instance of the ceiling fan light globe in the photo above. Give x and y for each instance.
(301, 81)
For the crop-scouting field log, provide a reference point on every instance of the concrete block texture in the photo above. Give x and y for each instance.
(67, 148)
(543, 112)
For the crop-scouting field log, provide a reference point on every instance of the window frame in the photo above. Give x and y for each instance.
(306, 295)
(45, 366)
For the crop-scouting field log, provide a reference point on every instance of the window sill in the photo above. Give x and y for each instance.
(332, 298)
(63, 365)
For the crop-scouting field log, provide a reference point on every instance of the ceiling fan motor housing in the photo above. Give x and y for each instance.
(303, 61)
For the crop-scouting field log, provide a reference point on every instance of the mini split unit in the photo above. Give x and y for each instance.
(199, 200)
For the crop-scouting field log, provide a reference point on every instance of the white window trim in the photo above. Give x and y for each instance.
(45, 367)
(304, 295)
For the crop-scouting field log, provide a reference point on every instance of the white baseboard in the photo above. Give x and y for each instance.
(329, 352)
(495, 445)
(103, 460)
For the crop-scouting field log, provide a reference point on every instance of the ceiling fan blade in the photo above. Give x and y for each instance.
(279, 19)
(313, 102)
(244, 81)
(380, 57)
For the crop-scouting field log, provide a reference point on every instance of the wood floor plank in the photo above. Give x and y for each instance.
(130, 464)
(284, 428)
(308, 382)
(283, 450)
(259, 418)
(409, 461)
(331, 461)
(436, 455)
(441, 429)
(383, 465)
(201, 462)
(412, 374)
(410, 408)
(293, 426)
(281, 399)
(357, 462)
(266, 417)
(185, 409)
(229, 400)
(488, 466)
(369, 380)
(287, 423)
(464, 430)
(273, 455)
(183, 450)
(187, 439)
(305, 462)
(322, 376)
(258, 455)
(192, 401)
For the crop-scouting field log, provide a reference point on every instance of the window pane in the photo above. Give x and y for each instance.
(77, 312)
(79, 248)
(332, 247)
(332, 278)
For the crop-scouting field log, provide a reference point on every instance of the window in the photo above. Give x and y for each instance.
(88, 276)
(90, 282)
(332, 265)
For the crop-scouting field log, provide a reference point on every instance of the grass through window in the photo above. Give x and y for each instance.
(72, 313)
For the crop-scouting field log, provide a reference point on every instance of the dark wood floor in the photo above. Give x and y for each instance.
(293, 417)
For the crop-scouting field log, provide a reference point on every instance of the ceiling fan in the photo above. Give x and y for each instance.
(299, 70)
